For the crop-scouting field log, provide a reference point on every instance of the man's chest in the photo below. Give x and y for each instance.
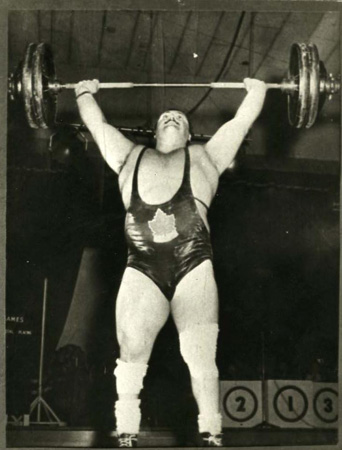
(160, 177)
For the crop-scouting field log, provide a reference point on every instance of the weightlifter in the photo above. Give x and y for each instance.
(167, 192)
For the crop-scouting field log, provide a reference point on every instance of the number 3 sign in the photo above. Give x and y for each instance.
(325, 404)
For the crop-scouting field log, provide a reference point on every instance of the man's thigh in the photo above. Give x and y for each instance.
(140, 305)
(196, 299)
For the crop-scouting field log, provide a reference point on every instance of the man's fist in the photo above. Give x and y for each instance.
(91, 86)
(252, 83)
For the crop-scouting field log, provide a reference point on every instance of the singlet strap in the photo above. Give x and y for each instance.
(135, 175)
(186, 177)
(202, 202)
(186, 185)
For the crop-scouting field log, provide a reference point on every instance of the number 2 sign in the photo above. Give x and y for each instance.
(241, 403)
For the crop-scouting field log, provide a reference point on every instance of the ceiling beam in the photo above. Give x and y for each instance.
(133, 36)
(269, 48)
(154, 23)
(71, 36)
(103, 29)
(219, 22)
(183, 5)
(179, 45)
(39, 26)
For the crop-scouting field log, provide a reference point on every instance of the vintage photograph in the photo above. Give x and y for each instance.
(173, 225)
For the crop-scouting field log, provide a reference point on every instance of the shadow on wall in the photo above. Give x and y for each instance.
(280, 140)
(277, 266)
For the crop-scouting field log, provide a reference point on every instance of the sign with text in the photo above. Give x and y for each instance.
(302, 404)
(325, 404)
(241, 403)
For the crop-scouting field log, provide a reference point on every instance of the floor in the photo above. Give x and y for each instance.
(54, 436)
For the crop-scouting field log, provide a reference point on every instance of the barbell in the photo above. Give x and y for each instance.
(34, 84)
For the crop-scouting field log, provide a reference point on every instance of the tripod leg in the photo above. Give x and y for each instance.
(47, 407)
(34, 404)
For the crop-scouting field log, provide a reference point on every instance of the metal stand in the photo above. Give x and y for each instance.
(39, 401)
(264, 423)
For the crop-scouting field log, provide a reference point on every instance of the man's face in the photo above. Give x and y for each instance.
(174, 121)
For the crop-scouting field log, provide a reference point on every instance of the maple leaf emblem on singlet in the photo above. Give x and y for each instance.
(163, 226)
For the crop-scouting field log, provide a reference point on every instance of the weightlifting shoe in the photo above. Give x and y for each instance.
(128, 440)
(211, 440)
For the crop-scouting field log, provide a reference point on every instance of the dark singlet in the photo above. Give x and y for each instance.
(166, 241)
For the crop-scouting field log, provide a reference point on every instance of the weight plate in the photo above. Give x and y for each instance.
(26, 83)
(43, 73)
(323, 75)
(15, 84)
(314, 85)
(299, 72)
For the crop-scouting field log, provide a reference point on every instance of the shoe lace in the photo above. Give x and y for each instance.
(214, 440)
(126, 441)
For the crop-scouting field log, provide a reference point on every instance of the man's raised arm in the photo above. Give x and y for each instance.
(113, 145)
(225, 143)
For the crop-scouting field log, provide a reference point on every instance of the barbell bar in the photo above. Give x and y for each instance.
(35, 85)
(216, 85)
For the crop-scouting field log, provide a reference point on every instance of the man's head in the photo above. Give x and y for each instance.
(173, 127)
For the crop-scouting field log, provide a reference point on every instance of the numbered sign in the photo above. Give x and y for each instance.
(290, 404)
(241, 403)
(325, 405)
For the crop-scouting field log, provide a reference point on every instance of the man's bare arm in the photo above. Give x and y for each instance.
(113, 145)
(225, 143)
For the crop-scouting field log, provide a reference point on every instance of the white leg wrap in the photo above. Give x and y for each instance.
(128, 416)
(211, 423)
(129, 377)
(198, 348)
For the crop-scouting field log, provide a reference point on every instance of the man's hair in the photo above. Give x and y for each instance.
(178, 110)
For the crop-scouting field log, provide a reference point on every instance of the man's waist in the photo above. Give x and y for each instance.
(170, 252)
(168, 242)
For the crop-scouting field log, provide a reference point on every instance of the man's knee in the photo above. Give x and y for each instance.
(198, 348)
(134, 343)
